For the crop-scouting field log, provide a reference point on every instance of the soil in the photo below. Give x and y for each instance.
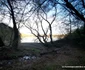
(54, 57)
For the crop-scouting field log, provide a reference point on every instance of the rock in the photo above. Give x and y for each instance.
(27, 57)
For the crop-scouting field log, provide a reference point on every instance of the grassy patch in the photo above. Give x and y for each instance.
(35, 50)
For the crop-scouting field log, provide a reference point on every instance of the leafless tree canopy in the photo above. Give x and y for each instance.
(21, 12)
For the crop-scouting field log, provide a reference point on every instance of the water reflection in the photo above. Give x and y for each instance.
(34, 39)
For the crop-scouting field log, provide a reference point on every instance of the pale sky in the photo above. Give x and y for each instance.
(55, 26)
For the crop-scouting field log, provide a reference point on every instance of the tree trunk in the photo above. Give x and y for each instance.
(1, 42)
(15, 29)
(84, 27)
(15, 38)
(50, 33)
(71, 7)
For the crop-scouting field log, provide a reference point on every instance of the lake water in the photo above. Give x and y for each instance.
(34, 39)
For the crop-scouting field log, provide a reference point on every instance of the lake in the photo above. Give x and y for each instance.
(25, 39)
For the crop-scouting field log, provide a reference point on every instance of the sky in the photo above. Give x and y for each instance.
(57, 27)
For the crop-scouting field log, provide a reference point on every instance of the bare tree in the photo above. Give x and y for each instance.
(76, 8)
(41, 33)
(16, 32)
